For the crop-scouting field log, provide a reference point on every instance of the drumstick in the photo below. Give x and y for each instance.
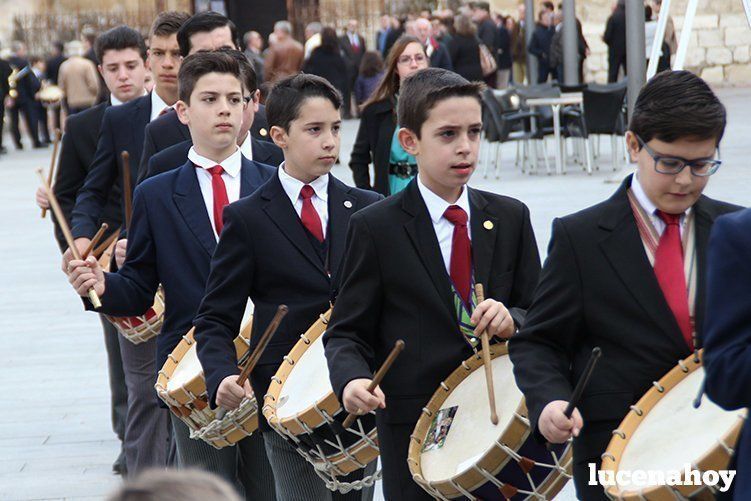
(127, 194)
(256, 355)
(52, 164)
(94, 241)
(480, 293)
(379, 375)
(579, 389)
(105, 245)
(93, 297)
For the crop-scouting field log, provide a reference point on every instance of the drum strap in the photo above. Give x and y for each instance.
(463, 314)
(651, 238)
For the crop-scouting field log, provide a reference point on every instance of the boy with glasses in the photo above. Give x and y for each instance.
(627, 275)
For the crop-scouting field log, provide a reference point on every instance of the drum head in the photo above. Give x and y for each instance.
(681, 433)
(187, 369)
(306, 384)
(461, 432)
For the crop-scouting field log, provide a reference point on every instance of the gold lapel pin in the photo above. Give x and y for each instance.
(488, 225)
(263, 132)
(348, 204)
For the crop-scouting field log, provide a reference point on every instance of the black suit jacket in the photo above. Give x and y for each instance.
(373, 144)
(598, 288)
(122, 130)
(168, 130)
(352, 56)
(176, 155)
(265, 254)
(76, 157)
(394, 285)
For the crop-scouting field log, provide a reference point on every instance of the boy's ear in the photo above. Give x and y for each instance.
(279, 136)
(182, 112)
(255, 100)
(632, 144)
(147, 62)
(409, 141)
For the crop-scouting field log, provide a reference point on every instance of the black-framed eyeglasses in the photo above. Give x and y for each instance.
(247, 99)
(673, 165)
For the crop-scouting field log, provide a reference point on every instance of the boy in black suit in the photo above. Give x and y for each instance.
(281, 245)
(627, 275)
(410, 266)
(176, 222)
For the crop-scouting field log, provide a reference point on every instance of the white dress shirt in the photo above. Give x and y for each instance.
(444, 229)
(116, 102)
(651, 209)
(231, 177)
(247, 147)
(320, 200)
(157, 105)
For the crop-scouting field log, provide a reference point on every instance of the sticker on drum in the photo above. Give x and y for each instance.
(439, 429)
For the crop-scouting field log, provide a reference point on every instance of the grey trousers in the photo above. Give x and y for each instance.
(147, 425)
(296, 479)
(245, 465)
(118, 390)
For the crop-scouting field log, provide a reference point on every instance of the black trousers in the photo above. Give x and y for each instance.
(393, 441)
(43, 130)
(30, 116)
(2, 118)
(616, 61)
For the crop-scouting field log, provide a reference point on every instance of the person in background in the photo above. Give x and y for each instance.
(353, 47)
(5, 72)
(383, 33)
(505, 62)
(27, 85)
(443, 29)
(487, 32)
(171, 485)
(517, 29)
(464, 49)
(397, 30)
(38, 67)
(312, 37)
(439, 56)
(78, 79)
(377, 141)
(615, 38)
(285, 57)
(326, 61)
(371, 73)
(148, 83)
(254, 52)
(88, 38)
(53, 70)
(670, 37)
(539, 46)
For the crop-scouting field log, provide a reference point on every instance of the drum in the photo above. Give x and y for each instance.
(181, 385)
(138, 329)
(51, 95)
(664, 432)
(301, 406)
(456, 451)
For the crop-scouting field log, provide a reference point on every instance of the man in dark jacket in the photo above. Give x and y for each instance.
(487, 32)
(539, 46)
(615, 37)
(437, 52)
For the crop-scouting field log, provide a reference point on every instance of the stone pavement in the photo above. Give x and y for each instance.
(55, 435)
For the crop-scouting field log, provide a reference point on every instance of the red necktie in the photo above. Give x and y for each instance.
(670, 274)
(460, 268)
(220, 196)
(309, 216)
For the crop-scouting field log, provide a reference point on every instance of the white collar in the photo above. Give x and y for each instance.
(247, 147)
(436, 205)
(641, 197)
(157, 105)
(116, 102)
(293, 186)
(231, 165)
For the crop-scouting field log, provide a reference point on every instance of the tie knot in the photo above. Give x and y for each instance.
(307, 192)
(456, 215)
(669, 219)
(216, 170)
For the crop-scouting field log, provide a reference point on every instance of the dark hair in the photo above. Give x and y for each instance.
(119, 38)
(201, 63)
(424, 89)
(203, 22)
(371, 64)
(647, 13)
(548, 5)
(250, 79)
(89, 34)
(59, 46)
(329, 40)
(288, 95)
(168, 23)
(481, 5)
(675, 105)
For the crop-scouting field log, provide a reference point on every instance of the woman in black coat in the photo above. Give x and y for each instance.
(375, 137)
(326, 61)
(464, 49)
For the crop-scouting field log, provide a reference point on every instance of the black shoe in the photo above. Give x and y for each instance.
(118, 467)
(3, 150)
(19, 146)
(39, 146)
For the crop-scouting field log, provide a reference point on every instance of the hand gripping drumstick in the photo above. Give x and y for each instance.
(50, 175)
(480, 293)
(256, 355)
(94, 241)
(127, 193)
(395, 351)
(93, 297)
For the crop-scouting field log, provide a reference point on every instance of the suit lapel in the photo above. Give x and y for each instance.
(190, 204)
(704, 217)
(250, 178)
(280, 210)
(624, 249)
(423, 238)
(341, 207)
(259, 152)
(484, 228)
